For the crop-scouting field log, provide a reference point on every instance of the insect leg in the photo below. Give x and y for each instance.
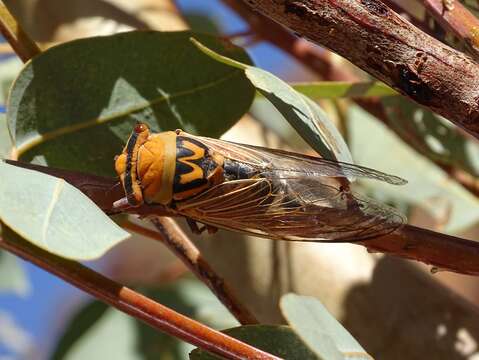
(194, 226)
(197, 230)
(211, 229)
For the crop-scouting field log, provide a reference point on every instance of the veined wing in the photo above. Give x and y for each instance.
(294, 165)
(291, 208)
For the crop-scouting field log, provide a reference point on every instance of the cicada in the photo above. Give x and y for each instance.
(254, 190)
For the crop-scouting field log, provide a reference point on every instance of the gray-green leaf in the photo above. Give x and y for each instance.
(54, 215)
(308, 119)
(319, 329)
(343, 89)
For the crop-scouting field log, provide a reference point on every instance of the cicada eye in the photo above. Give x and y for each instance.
(140, 127)
(116, 157)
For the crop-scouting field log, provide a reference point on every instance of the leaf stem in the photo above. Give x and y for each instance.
(130, 302)
(21, 43)
(170, 234)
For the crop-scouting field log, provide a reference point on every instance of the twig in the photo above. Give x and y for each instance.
(128, 301)
(440, 250)
(457, 19)
(170, 234)
(382, 43)
(24, 47)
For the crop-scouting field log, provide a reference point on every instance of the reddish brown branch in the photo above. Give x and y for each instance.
(128, 301)
(382, 43)
(170, 234)
(440, 250)
(457, 19)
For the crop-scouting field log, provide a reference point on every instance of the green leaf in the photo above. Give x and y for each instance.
(343, 89)
(307, 118)
(274, 339)
(75, 105)
(54, 215)
(13, 278)
(319, 329)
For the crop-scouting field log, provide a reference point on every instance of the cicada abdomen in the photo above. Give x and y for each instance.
(264, 192)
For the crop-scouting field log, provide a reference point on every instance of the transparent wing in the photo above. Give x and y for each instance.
(292, 164)
(291, 208)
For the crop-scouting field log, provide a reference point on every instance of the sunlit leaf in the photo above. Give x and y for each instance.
(274, 339)
(319, 329)
(54, 215)
(343, 89)
(75, 105)
(308, 119)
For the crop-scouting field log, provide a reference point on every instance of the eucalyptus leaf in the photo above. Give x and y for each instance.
(307, 118)
(319, 329)
(274, 339)
(54, 215)
(343, 89)
(74, 105)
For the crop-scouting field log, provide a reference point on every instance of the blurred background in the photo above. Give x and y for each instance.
(396, 309)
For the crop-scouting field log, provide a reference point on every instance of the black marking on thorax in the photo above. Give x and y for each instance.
(186, 159)
(130, 146)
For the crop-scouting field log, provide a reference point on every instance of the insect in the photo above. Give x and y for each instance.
(259, 191)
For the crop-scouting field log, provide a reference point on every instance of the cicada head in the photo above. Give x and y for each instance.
(146, 166)
(126, 164)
